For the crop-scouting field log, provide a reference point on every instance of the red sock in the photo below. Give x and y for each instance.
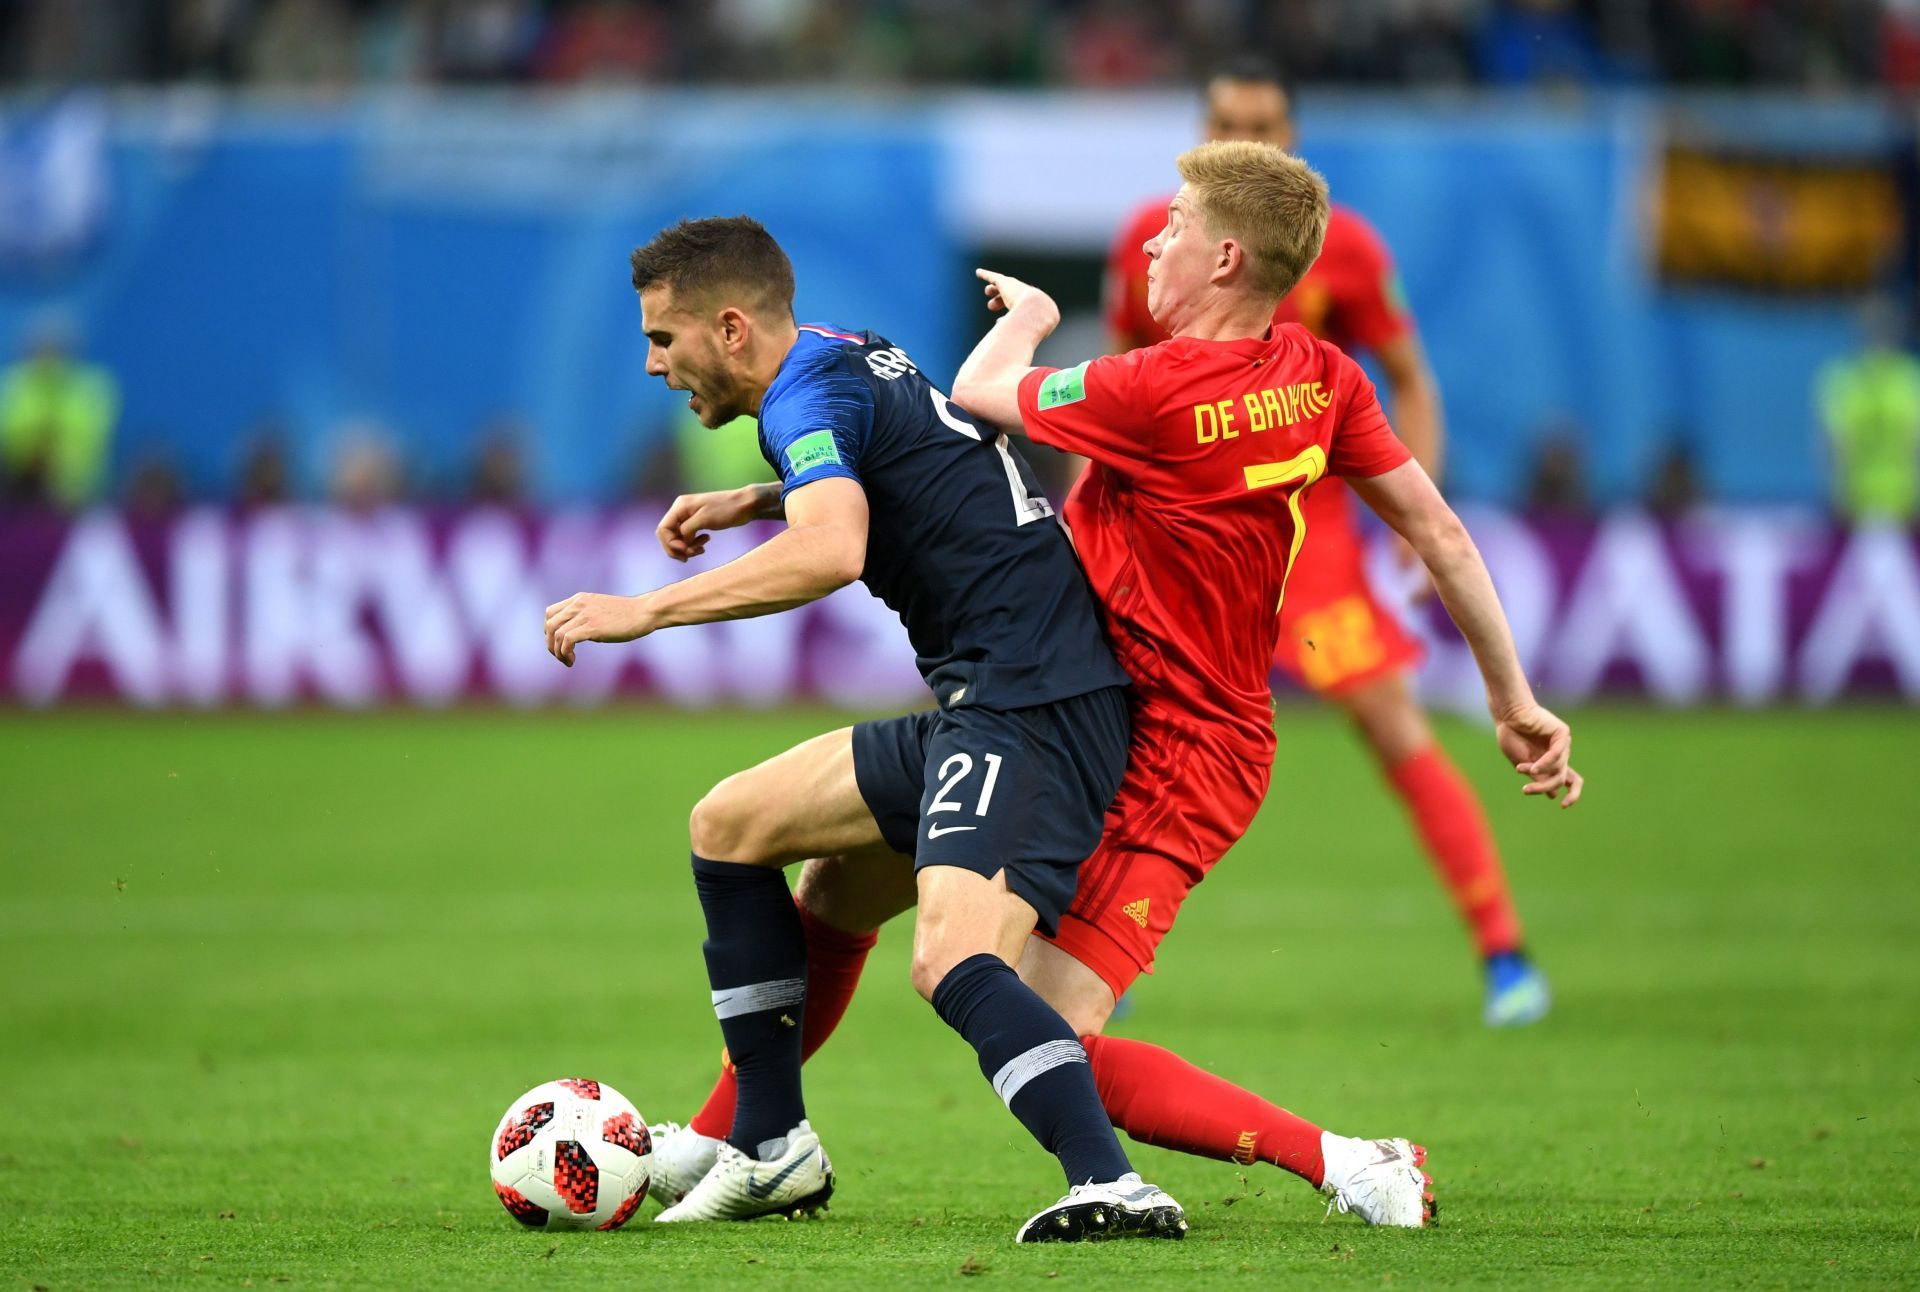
(1159, 1098)
(1460, 844)
(834, 961)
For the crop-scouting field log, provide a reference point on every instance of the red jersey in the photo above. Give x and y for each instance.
(1351, 295)
(1188, 519)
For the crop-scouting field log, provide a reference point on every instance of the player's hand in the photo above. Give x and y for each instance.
(593, 617)
(1005, 292)
(1539, 744)
(683, 530)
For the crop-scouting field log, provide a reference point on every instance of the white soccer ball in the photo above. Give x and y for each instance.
(571, 1154)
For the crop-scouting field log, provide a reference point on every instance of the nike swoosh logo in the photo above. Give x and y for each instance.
(934, 831)
(764, 1191)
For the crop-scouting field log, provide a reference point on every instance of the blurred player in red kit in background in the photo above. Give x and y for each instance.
(1336, 637)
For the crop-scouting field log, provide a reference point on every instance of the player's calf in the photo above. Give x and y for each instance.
(1083, 998)
(756, 958)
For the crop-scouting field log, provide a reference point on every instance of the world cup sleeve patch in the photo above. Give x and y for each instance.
(813, 450)
(1067, 386)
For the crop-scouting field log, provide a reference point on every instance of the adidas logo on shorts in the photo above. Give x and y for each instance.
(1137, 911)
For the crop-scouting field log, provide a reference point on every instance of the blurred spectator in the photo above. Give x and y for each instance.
(1676, 485)
(989, 42)
(1899, 46)
(695, 459)
(1538, 42)
(396, 43)
(1869, 407)
(1433, 48)
(605, 40)
(155, 492)
(1117, 43)
(367, 474)
(1558, 486)
(499, 475)
(1705, 41)
(264, 475)
(486, 40)
(302, 43)
(203, 39)
(74, 41)
(57, 418)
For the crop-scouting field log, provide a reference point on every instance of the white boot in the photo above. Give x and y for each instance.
(795, 1181)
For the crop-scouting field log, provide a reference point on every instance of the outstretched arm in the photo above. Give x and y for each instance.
(988, 383)
(823, 548)
(1535, 741)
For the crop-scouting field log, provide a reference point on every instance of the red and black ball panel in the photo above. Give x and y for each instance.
(575, 1177)
(520, 1208)
(585, 1087)
(629, 1133)
(519, 1132)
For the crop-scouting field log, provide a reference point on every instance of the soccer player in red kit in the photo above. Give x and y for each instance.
(1189, 522)
(1336, 636)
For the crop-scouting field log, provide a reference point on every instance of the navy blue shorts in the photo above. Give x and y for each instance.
(1020, 790)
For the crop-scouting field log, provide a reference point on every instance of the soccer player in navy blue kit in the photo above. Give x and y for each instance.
(998, 793)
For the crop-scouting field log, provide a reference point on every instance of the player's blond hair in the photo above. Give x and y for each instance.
(1266, 199)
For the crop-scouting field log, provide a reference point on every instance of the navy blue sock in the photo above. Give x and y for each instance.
(1035, 1063)
(757, 964)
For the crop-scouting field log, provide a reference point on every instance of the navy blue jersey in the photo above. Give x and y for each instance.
(961, 542)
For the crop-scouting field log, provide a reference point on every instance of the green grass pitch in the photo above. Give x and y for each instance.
(267, 982)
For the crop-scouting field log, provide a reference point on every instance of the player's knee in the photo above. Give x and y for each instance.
(721, 826)
(933, 960)
(927, 972)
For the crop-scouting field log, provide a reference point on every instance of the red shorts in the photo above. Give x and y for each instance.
(1187, 797)
(1335, 635)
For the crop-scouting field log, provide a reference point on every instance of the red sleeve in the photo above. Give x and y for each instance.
(1372, 306)
(1099, 410)
(1126, 281)
(1363, 444)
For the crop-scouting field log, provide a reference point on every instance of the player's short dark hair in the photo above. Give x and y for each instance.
(699, 258)
(1252, 69)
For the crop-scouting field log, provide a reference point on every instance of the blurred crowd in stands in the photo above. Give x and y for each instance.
(59, 414)
(62, 445)
(330, 44)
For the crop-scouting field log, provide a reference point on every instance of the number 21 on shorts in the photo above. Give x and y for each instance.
(956, 768)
